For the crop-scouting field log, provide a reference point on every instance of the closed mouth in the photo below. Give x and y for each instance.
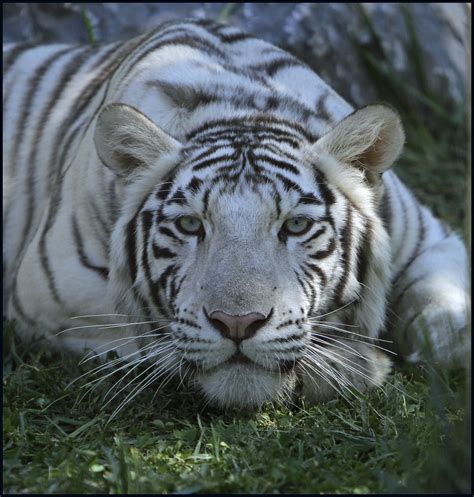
(240, 358)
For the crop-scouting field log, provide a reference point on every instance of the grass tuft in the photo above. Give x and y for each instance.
(226, 12)
(91, 36)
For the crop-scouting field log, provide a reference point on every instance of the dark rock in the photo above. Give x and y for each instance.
(324, 35)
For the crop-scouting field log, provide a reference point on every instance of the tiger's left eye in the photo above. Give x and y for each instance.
(296, 225)
(189, 225)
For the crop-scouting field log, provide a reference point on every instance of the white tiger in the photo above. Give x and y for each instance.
(204, 204)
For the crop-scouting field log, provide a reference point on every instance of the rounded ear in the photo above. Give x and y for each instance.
(127, 140)
(371, 138)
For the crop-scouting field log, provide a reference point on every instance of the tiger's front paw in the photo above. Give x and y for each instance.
(339, 371)
(440, 335)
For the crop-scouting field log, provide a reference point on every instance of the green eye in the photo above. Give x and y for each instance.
(189, 225)
(296, 225)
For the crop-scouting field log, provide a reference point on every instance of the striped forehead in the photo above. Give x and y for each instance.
(241, 161)
(259, 175)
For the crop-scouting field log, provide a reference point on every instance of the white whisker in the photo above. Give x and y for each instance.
(106, 326)
(325, 324)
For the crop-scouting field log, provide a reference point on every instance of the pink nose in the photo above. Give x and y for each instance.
(237, 328)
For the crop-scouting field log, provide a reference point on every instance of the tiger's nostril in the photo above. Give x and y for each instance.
(237, 328)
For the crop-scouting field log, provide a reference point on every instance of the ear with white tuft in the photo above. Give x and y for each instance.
(370, 138)
(126, 140)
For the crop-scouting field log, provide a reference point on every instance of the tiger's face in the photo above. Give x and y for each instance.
(242, 249)
(250, 260)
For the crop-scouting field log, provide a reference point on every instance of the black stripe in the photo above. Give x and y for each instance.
(416, 250)
(213, 161)
(315, 235)
(167, 232)
(174, 294)
(177, 198)
(322, 254)
(32, 159)
(324, 189)
(346, 244)
(56, 194)
(309, 198)
(316, 269)
(163, 279)
(276, 199)
(19, 308)
(164, 190)
(276, 149)
(235, 37)
(385, 210)
(101, 228)
(312, 299)
(205, 201)
(272, 67)
(147, 222)
(80, 104)
(364, 253)
(321, 109)
(237, 135)
(289, 184)
(255, 124)
(276, 163)
(205, 153)
(101, 271)
(194, 184)
(32, 91)
(131, 243)
(43, 249)
(130, 247)
(302, 285)
(162, 252)
(14, 53)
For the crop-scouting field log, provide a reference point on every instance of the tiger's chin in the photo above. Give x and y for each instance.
(245, 386)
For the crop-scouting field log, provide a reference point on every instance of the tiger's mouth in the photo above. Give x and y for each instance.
(239, 358)
(279, 366)
(240, 382)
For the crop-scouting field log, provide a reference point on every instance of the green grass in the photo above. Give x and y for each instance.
(411, 436)
(91, 36)
(403, 437)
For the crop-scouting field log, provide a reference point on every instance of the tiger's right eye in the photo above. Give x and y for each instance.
(189, 225)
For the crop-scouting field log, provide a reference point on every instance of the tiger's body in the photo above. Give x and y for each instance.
(161, 182)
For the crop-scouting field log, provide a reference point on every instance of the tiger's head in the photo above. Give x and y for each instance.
(257, 245)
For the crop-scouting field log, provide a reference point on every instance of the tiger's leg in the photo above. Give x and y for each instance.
(430, 300)
(342, 368)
